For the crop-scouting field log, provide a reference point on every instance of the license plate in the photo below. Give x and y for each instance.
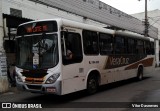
(51, 89)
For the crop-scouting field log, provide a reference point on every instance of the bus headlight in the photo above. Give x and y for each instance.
(19, 79)
(52, 78)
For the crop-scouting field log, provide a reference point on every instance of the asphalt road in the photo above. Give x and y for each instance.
(120, 96)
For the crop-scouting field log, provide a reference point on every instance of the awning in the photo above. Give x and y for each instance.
(14, 21)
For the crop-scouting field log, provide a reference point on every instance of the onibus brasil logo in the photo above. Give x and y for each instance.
(20, 106)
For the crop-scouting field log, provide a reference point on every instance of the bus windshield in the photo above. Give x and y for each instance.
(37, 51)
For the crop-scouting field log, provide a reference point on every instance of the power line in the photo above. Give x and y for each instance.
(155, 22)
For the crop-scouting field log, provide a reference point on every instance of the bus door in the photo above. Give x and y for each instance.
(73, 68)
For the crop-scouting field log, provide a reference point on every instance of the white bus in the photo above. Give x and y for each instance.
(59, 56)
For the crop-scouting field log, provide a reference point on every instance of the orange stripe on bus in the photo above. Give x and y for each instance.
(146, 63)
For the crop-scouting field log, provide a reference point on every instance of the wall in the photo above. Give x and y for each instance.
(3, 78)
(37, 11)
(1, 27)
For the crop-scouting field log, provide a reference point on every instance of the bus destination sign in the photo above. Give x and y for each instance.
(37, 27)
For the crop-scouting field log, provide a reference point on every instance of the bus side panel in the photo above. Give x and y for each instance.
(98, 63)
(148, 70)
(73, 78)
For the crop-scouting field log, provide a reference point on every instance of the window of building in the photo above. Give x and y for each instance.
(16, 12)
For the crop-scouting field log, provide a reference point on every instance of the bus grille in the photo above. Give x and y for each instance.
(34, 80)
(34, 87)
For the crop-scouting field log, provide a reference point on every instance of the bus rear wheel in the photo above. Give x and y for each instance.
(140, 74)
(92, 84)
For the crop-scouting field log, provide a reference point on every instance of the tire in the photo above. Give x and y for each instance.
(140, 74)
(92, 84)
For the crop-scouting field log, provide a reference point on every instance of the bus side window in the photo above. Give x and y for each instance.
(106, 44)
(131, 46)
(148, 47)
(140, 47)
(152, 48)
(120, 45)
(71, 48)
(90, 42)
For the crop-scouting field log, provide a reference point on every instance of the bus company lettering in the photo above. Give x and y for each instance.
(121, 60)
(118, 61)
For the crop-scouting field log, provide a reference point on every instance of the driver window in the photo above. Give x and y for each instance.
(71, 48)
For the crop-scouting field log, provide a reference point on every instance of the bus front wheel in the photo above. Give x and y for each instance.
(92, 84)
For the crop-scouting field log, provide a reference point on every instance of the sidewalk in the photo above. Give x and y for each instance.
(11, 90)
(157, 68)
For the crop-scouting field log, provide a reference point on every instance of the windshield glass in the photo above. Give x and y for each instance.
(37, 52)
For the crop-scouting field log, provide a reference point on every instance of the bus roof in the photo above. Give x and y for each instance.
(75, 24)
(132, 35)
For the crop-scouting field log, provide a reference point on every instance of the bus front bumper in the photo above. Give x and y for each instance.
(41, 88)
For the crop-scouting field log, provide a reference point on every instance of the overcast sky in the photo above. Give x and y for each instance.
(133, 6)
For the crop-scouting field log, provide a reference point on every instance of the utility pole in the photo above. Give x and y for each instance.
(146, 20)
(146, 23)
